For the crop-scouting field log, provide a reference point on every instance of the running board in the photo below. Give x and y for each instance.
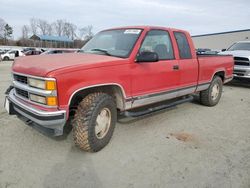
(157, 108)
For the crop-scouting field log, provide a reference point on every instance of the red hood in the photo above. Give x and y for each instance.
(41, 65)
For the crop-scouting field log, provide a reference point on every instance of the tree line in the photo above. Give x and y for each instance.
(37, 26)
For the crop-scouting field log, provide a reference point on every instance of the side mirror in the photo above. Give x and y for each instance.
(147, 57)
(224, 49)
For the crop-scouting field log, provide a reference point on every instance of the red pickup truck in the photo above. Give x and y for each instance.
(130, 70)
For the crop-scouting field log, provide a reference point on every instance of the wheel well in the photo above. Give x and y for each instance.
(113, 90)
(221, 74)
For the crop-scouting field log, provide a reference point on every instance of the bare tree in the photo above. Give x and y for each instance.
(33, 26)
(86, 33)
(43, 26)
(58, 27)
(40, 26)
(25, 31)
(50, 29)
(2, 25)
(73, 29)
(69, 30)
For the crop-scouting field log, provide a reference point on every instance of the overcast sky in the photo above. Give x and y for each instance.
(196, 16)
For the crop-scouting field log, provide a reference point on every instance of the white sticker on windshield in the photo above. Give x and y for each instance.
(132, 31)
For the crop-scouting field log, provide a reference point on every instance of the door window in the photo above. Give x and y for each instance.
(158, 41)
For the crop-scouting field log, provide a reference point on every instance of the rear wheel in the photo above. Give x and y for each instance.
(94, 122)
(212, 95)
(6, 58)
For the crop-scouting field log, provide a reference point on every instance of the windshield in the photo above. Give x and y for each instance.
(240, 46)
(119, 42)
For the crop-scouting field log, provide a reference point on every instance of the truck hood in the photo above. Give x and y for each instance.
(41, 65)
(237, 53)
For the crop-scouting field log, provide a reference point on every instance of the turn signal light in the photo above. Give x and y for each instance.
(50, 85)
(52, 101)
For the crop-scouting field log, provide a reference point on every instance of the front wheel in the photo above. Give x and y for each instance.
(94, 122)
(212, 95)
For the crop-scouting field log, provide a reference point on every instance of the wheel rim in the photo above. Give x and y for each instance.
(215, 91)
(103, 122)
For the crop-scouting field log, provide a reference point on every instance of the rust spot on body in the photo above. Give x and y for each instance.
(182, 136)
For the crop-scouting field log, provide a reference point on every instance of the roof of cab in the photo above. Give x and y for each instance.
(146, 27)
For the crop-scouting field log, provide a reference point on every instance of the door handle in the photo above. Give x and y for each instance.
(176, 67)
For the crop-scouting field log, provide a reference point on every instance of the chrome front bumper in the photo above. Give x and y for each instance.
(241, 71)
(51, 122)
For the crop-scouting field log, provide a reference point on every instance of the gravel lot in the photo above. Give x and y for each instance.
(188, 146)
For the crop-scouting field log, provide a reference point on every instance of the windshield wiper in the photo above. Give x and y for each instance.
(101, 50)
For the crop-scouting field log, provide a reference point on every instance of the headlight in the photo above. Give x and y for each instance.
(36, 83)
(42, 84)
(37, 98)
(50, 100)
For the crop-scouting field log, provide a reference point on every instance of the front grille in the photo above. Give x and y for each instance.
(19, 78)
(22, 93)
(241, 58)
(240, 71)
(242, 61)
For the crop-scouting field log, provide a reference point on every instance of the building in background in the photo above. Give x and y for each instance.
(50, 41)
(218, 41)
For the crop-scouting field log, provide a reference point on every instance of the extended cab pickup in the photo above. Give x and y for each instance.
(122, 70)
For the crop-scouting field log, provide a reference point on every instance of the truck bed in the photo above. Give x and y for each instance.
(219, 62)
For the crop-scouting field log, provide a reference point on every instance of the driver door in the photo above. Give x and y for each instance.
(154, 81)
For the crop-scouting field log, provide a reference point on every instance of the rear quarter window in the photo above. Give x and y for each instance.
(183, 45)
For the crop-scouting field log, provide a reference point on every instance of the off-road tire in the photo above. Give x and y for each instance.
(6, 58)
(206, 95)
(84, 121)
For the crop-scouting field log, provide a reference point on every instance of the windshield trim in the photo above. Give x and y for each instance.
(132, 48)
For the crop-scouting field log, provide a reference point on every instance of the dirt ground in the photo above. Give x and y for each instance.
(188, 146)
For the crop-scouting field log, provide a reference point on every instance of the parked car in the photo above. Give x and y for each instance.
(241, 52)
(78, 51)
(202, 50)
(120, 70)
(206, 51)
(212, 52)
(33, 52)
(43, 50)
(28, 49)
(3, 51)
(57, 52)
(12, 54)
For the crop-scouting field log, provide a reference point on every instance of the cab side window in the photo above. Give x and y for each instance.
(183, 45)
(158, 41)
